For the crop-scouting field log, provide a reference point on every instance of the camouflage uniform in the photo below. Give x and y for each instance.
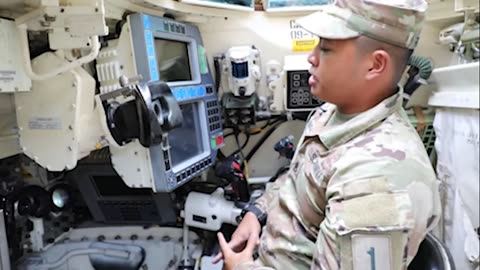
(366, 182)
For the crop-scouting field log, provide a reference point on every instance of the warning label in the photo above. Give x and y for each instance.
(45, 123)
(7, 75)
(304, 45)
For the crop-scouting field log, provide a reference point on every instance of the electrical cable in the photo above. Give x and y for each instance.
(218, 73)
(264, 138)
(279, 172)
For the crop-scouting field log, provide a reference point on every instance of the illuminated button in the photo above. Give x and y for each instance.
(146, 22)
(220, 140)
(150, 50)
(201, 91)
(179, 93)
(213, 142)
(192, 92)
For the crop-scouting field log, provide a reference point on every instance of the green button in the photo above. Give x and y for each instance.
(213, 142)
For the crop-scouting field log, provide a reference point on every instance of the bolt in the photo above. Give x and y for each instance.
(166, 238)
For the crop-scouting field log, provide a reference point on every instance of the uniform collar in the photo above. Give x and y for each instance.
(337, 135)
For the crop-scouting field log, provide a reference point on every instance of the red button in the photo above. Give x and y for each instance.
(236, 166)
(220, 140)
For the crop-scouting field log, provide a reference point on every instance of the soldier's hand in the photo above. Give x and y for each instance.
(232, 258)
(248, 228)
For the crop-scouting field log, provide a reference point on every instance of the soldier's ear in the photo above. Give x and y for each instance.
(379, 65)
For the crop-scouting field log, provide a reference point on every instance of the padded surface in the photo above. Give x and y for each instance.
(429, 256)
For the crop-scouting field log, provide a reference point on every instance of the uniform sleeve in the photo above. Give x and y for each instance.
(270, 197)
(368, 229)
(377, 222)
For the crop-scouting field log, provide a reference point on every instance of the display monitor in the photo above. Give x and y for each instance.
(172, 60)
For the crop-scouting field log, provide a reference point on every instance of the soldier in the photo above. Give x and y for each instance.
(361, 192)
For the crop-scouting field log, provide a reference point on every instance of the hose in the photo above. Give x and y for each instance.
(420, 70)
(423, 64)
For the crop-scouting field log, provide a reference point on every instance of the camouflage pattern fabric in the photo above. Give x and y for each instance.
(396, 22)
(367, 176)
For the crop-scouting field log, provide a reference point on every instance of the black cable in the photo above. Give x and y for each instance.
(228, 134)
(220, 155)
(264, 138)
(279, 172)
(246, 141)
(218, 73)
(239, 148)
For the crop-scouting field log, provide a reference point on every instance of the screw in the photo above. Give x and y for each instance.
(166, 238)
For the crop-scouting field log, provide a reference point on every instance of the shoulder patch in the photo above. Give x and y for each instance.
(371, 252)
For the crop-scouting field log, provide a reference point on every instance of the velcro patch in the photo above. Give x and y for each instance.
(371, 252)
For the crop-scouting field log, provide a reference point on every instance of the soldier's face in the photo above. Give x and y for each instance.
(335, 72)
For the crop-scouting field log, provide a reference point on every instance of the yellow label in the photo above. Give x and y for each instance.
(304, 45)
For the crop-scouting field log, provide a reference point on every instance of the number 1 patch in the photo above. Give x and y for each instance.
(371, 252)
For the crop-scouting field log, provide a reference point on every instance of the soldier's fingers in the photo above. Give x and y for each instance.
(217, 258)
(226, 250)
(235, 241)
(251, 244)
(237, 244)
